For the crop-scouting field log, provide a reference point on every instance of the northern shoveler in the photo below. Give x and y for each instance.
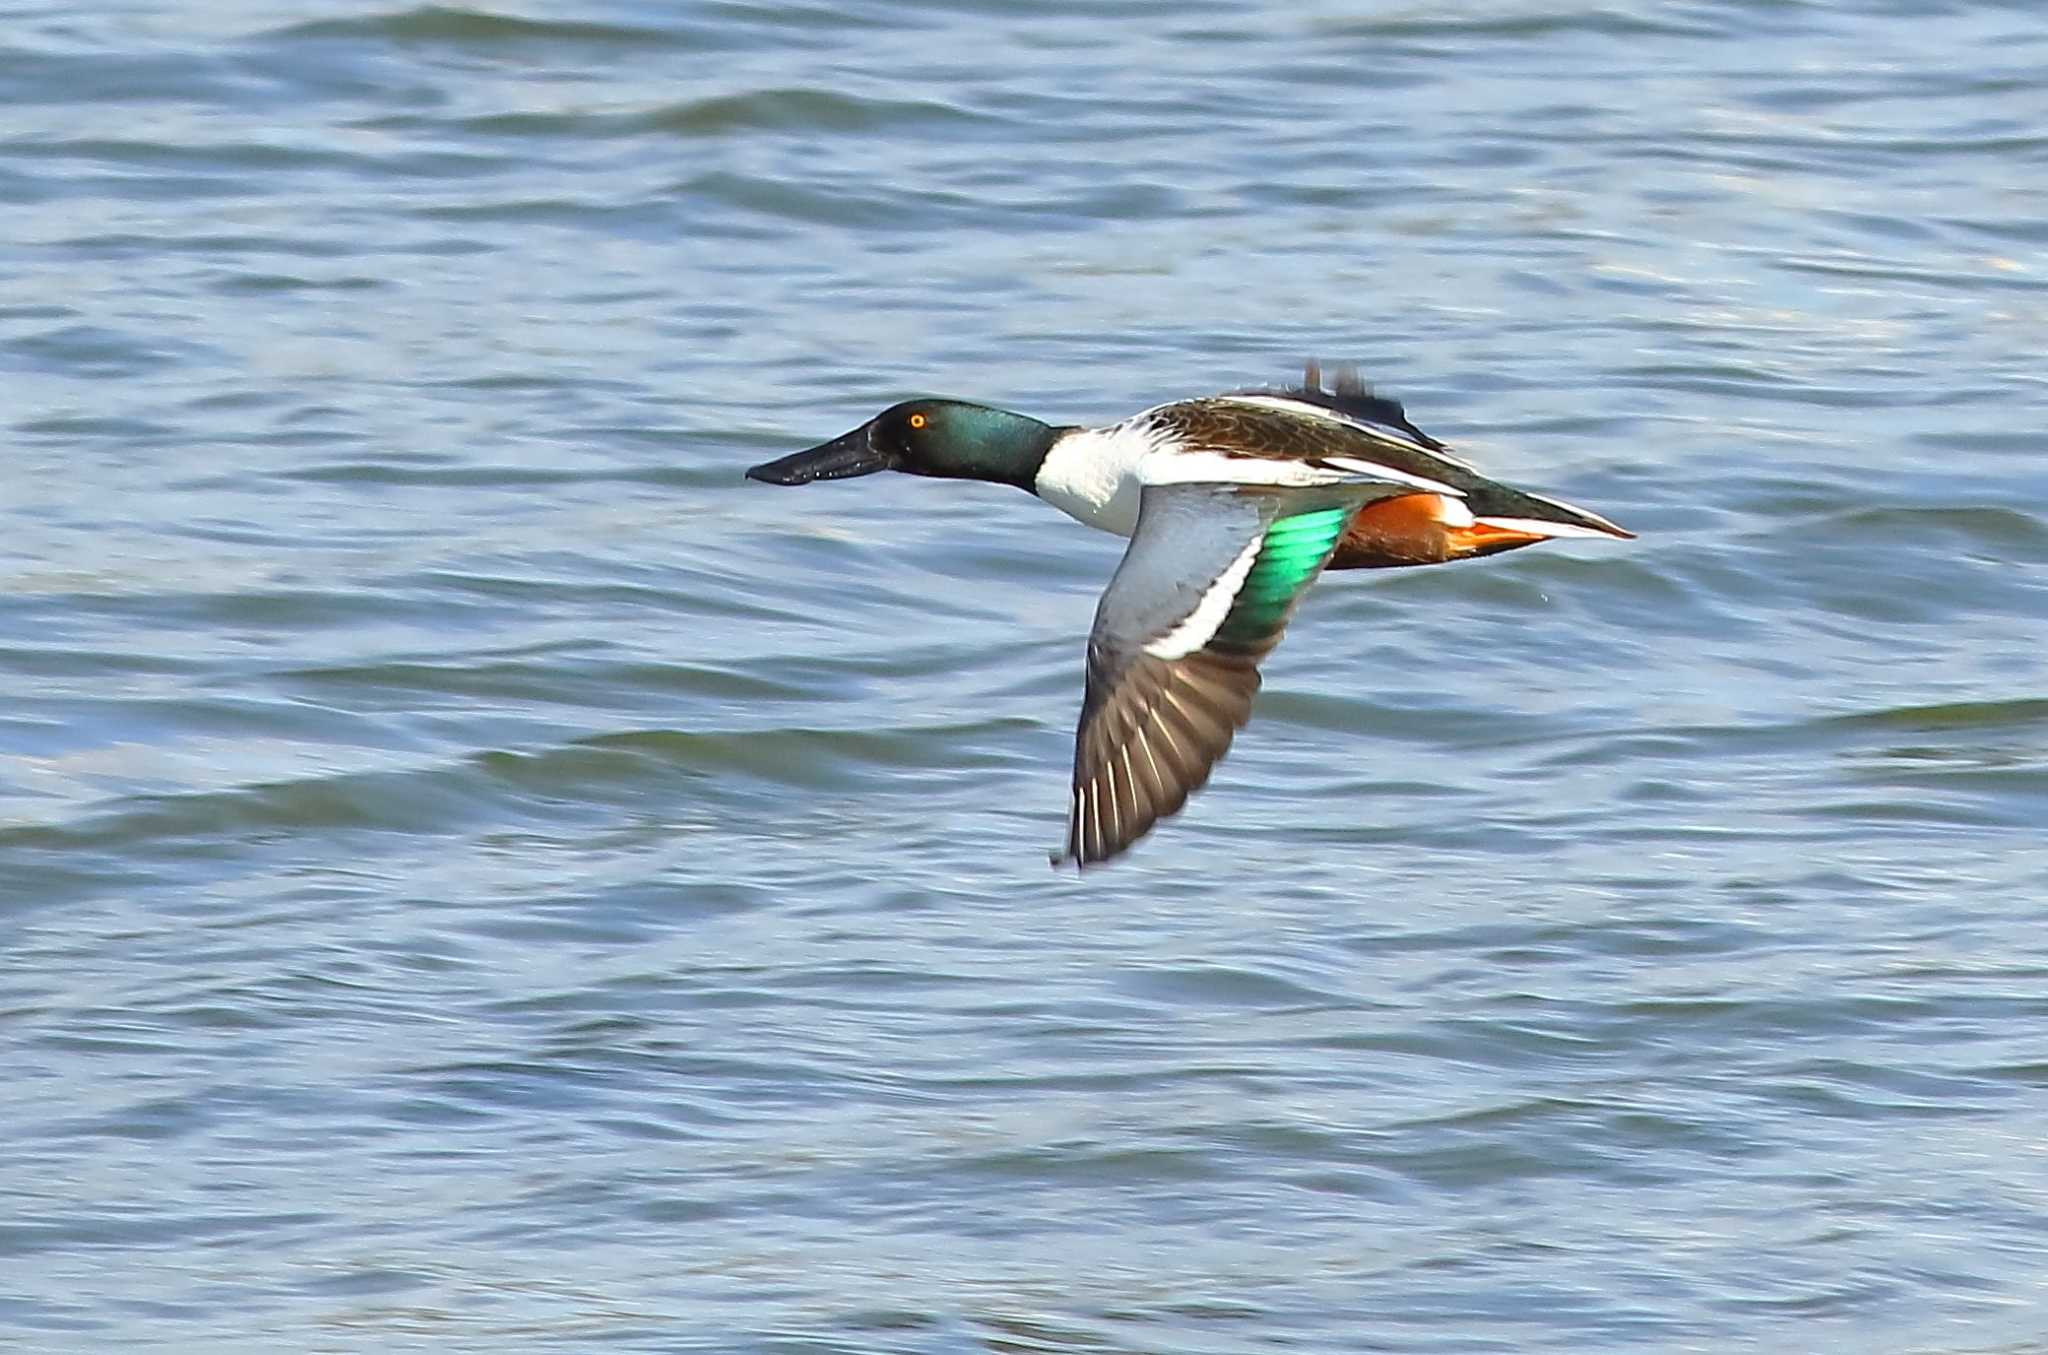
(1234, 504)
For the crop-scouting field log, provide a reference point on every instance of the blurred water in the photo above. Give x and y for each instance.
(477, 874)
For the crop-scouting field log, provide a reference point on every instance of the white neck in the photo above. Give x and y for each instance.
(1091, 474)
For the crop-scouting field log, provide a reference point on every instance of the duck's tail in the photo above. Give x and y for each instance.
(1427, 529)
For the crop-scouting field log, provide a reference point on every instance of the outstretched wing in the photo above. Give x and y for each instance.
(1212, 573)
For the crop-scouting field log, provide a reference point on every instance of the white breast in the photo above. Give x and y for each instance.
(1091, 474)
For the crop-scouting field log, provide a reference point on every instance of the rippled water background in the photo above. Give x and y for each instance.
(477, 874)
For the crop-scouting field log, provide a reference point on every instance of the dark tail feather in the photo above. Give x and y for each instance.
(1496, 504)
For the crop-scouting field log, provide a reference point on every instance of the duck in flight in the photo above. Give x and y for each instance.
(1233, 504)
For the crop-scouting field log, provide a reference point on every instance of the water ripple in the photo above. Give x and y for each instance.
(476, 869)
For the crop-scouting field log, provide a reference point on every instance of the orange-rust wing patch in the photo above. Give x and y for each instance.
(1420, 529)
(1408, 530)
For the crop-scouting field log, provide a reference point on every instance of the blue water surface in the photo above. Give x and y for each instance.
(478, 874)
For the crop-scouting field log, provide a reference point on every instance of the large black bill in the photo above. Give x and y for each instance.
(840, 459)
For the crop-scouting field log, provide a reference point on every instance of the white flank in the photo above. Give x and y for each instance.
(1540, 527)
(1303, 409)
(1091, 474)
(1452, 513)
(1200, 625)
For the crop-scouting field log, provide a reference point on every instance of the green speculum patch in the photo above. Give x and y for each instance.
(1294, 548)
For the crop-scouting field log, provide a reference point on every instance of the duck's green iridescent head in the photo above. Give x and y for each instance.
(948, 438)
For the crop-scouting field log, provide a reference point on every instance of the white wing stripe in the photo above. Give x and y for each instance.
(1199, 626)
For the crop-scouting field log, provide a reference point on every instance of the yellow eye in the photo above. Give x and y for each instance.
(918, 421)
